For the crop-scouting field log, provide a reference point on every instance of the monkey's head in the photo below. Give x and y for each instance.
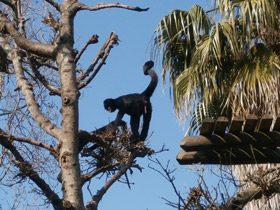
(147, 66)
(109, 105)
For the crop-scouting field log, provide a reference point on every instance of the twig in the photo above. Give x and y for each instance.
(87, 177)
(41, 78)
(50, 148)
(127, 180)
(167, 175)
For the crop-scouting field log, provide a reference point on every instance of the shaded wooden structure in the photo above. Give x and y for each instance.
(252, 141)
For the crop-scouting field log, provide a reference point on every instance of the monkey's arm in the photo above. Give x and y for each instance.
(118, 119)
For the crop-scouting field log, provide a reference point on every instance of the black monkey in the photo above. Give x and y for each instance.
(135, 105)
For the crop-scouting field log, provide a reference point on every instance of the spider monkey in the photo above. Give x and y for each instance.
(135, 105)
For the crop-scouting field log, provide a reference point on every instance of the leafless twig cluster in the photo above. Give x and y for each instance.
(262, 184)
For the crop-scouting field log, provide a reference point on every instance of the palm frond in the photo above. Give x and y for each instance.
(256, 86)
(176, 36)
(210, 71)
(257, 18)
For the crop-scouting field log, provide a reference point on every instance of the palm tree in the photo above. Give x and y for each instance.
(224, 61)
(210, 61)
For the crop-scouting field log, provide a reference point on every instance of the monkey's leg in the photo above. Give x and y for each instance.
(146, 122)
(134, 124)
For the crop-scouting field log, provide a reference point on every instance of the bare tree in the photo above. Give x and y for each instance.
(38, 61)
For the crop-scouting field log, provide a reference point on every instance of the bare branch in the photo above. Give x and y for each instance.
(123, 168)
(31, 102)
(26, 169)
(92, 40)
(94, 136)
(106, 6)
(262, 186)
(168, 176)
(87, 177)
(50, 148)
(102, 54)
(54, 4)
(42, 79)
(33, 47)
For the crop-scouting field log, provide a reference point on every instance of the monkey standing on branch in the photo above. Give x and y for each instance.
(135, 105)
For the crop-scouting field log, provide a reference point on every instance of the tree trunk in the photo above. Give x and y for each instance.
(68, 139)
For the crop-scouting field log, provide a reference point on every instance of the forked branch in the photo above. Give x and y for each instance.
(92, 40)
(102, 54)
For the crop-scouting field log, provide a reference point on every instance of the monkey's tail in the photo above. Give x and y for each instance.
(147, 66)
(154, 79)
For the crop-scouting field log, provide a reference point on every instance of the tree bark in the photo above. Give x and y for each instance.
(68, 140)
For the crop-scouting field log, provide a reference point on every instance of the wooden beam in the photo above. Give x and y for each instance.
(236, 125)
(228, 140)
(221, 125)
(276, 126)
(265, 123)
(230, 156)
(250, 123)
(207, 126)
(195, 157)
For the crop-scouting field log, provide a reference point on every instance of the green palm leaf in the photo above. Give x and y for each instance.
(176, 36)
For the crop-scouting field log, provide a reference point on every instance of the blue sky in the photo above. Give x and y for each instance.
(122, 75)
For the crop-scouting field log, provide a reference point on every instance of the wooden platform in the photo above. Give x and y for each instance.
(255, 140)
